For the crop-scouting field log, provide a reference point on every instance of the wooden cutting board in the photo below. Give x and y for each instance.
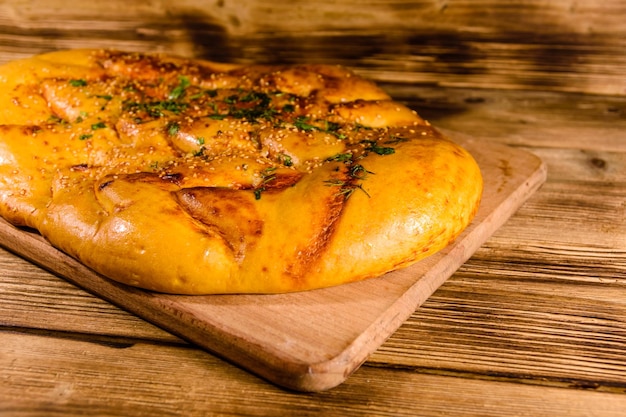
(309, 341)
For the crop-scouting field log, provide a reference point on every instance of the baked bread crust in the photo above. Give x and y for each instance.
(192, 177)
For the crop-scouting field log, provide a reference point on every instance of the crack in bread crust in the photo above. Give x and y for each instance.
(194, 177)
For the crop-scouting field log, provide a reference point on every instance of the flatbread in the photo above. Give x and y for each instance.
(192, 177)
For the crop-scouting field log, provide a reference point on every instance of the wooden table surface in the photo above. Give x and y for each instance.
(534, 324)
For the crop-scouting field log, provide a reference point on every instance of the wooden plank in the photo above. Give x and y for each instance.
(544, 308)
(438, 362)
(531, 119)
(532, 44)
(542, 300)
(511, 330)
(311, 340)
(60, 376)
(35, 299)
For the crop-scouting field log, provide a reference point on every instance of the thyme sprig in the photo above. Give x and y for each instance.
(346, 188)
(373, 146)
(356, 172)
(267, 175)
(305, 124)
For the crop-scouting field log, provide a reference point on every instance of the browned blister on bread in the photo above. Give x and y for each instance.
(193, 177)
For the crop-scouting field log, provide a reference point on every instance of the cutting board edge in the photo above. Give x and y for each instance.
(295, 375)
(328, 374)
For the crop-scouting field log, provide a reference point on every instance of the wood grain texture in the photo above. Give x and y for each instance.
(564, 45)
(311, 341)
(103, 387)
(30, 296)
(72, 377)
(533, 324)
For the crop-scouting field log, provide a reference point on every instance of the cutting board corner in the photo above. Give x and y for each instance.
(310, 341)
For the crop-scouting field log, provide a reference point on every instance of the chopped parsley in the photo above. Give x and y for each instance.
(81, 117)
(232, 99)
(256, 105)
(285, 160)
(173, 128)
(179, 91)
(377, 149)
(78, 83)
(340, 157)
(302, 123)
(332, 128)
(289, 108)
(99, 125)
(256, 96)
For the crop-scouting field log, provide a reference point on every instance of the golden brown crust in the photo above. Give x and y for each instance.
(193, 177)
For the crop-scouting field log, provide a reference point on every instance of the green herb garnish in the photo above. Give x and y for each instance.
(285, 160)
(359, 172)
(302, 123)
(267, 175)
(380, 150)
(345, 188)
(179, 91)
(232, 99)
(78, 83)
(260, 108)
(340, 157)
(359, 126)
(56, 119)
(173, 128)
